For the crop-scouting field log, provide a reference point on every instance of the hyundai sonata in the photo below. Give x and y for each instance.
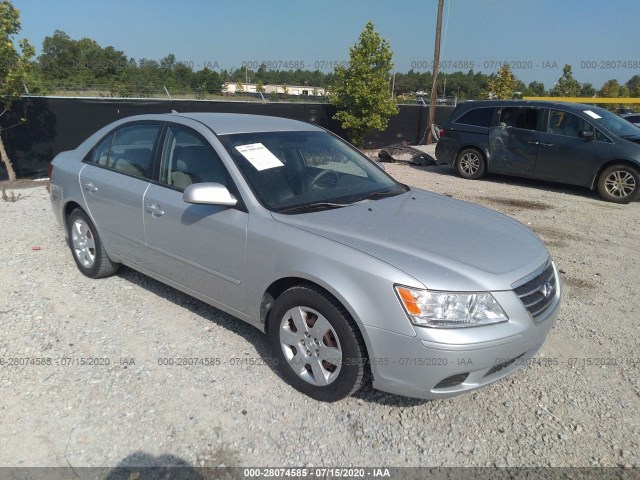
(352, 275)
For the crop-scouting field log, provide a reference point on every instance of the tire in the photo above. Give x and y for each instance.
(471, 164)
(86, 247)
(619, 184)
(317, 344)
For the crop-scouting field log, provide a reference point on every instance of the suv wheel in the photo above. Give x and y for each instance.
(471, 164)
(619, 184)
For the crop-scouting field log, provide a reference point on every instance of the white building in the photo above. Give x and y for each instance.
(230, 88)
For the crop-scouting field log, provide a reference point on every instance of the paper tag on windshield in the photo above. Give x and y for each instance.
(259, 156)
(592, 114)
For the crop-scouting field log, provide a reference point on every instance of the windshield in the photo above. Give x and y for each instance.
(613, 122)
(287, 170)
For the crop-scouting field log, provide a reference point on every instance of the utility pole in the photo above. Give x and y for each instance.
(434, 86)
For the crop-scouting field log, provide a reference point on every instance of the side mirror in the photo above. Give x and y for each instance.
(208, 194)
(588, 134)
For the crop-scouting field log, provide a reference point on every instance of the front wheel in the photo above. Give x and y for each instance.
(619, 184)
(86, 246)
(317, 345)
(471, 164)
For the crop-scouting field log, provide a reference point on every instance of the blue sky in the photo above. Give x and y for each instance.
(536, 37)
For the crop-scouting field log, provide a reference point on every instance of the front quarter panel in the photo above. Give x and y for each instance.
(363, 284)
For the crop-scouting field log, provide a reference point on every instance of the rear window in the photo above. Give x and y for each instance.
(479, 117)
(520, 117)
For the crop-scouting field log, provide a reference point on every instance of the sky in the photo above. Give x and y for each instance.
(536, 37)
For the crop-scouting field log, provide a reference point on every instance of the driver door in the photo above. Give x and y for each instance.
(200, 247)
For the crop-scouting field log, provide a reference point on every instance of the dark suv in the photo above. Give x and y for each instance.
(562, 142)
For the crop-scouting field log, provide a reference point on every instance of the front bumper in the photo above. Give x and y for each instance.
(440, 363)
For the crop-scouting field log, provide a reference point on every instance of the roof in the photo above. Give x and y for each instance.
(527, 103)
(226, 123)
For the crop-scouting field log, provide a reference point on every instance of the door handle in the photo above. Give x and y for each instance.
(155, 210)
(90, 187)
(531, 142)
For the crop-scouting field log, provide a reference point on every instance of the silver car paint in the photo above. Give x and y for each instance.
(417, 239)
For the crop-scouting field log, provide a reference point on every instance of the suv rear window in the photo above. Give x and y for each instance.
(480, 117)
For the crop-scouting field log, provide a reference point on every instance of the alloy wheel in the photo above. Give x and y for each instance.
(84, 246)
(310, 346)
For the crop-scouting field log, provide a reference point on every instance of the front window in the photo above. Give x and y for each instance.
(289, 171)
(187, 159)
(613, 122)
(567, 124)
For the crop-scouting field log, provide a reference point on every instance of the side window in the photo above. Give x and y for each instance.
(520, 117)
(187, 159)
(131, 149)
(479, 117)
(100, 153)
(601, 137)
(567, 124)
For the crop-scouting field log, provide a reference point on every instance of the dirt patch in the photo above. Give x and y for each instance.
(578, 286)
(557, 234)
(23, 183)
(517, 203)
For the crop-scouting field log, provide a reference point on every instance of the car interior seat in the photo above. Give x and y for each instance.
(555, 122)
(195, 164)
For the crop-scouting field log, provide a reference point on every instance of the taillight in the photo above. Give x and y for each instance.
(50, 168)
(443, 132)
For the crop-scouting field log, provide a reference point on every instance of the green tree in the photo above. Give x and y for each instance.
(587, 90)
(239, 87)
(610, 89)
(13, 68)
(503, 85)
(361, 92)
(207, 81)
(566, 86)
(535, 89)
(260, 87)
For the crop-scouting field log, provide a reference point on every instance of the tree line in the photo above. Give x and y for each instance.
(65, 63)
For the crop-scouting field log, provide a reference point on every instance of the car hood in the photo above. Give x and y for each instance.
(443, 243)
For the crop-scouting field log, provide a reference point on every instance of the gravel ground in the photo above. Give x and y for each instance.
(578, 404)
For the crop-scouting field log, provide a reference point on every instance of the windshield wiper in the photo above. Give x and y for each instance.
(313, 207)
(378, 194)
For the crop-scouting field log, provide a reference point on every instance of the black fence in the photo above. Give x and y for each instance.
(57, 124)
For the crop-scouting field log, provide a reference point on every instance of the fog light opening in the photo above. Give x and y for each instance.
(452, 381)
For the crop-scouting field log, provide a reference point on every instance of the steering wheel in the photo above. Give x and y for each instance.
(314, 183)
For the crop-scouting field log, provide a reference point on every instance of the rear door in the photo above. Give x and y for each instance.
(564, 154)
(200, 247)
(513, 143)
(113, 182)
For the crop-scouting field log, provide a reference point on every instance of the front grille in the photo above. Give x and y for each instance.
(539, 294)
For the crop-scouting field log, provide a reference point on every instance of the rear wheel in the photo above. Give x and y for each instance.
(318, 347)
(86, 247)
(471, 164)
(619, 184)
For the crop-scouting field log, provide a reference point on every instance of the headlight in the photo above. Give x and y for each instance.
(450, 309)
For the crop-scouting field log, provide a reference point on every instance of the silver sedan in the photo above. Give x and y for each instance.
(352, 275)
